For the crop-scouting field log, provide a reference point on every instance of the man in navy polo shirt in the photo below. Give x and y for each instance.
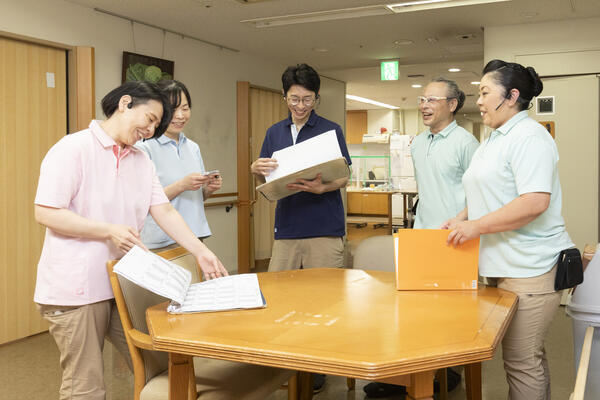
(309, 225)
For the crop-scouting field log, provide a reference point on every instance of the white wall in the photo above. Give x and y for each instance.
(558, 47)
(563, 48)
(210, 74)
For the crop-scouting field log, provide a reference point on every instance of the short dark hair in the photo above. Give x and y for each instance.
(453, 92)
(515, 76)
(303, 75)
(173, 90)
(141, 92)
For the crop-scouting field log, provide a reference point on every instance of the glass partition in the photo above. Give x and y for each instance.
(370, 172)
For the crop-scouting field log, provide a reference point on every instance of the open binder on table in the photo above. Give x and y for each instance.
(425, 262)
(304, 160)
(172, 281)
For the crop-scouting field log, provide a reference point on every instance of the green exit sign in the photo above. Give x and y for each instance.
(389, 71)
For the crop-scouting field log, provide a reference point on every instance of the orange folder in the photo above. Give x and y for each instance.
(425, 262)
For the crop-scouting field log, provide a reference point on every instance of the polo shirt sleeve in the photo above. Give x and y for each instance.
(158, 192)
(144, 147)
(265, 151)
(469, 147)
(533, 163)
(342, 142)
(198, 156)
(60, 175)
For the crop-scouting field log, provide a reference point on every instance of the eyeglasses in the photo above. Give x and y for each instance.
(431, 99)
(294, 101)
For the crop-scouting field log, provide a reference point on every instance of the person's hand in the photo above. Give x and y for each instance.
(463, 231)
(313, 186)
(210, 265)
(263, 166)
(124, 237)
(193, 181)
(214, 184)
(450, 224)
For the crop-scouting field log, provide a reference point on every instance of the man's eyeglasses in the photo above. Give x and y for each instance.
(431, 99)
(294, 101)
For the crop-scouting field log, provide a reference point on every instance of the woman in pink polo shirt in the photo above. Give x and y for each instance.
(94, 193)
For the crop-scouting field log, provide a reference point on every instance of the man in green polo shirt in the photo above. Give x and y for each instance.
(441, 155)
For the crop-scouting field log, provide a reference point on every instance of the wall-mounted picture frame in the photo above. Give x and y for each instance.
(138, 67)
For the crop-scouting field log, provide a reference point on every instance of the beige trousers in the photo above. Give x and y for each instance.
(79, 333)
(525, 362)
(318, 252)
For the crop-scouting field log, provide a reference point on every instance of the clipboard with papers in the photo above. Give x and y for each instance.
(425, 262)
(304, 160)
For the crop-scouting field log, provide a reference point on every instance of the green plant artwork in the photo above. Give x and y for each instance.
(149, 73)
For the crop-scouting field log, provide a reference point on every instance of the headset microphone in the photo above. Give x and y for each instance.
(503, 100)
(499, 105)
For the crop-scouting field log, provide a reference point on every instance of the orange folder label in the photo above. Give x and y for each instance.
(425, 262)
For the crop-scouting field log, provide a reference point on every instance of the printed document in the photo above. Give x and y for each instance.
(316, 150)
(172, 281)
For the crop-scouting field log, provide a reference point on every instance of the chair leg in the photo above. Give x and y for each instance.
(351, 383)
(292, 387)
(442, 377)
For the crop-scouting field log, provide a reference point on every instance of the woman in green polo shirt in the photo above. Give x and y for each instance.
(514, 203)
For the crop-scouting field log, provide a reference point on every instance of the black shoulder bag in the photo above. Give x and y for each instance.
(569, 270)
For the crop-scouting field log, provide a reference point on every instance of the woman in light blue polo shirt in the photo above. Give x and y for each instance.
(514, 203)
(180, 169)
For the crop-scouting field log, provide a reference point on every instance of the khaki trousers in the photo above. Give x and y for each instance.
(79, 333)
(525, 362)
(318, 252)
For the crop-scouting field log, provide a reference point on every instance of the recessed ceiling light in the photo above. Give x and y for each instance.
(320, 50)
(416, 85)
(453, 69)
(475, 83)
(403, 42)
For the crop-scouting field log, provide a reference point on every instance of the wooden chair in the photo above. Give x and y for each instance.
(214, 379)
(377, 253)
(584, 363)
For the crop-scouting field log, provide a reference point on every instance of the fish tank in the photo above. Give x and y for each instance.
(370, 172)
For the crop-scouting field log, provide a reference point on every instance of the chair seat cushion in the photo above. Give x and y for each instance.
(223, 380)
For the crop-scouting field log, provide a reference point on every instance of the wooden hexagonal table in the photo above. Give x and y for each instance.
(350, 323)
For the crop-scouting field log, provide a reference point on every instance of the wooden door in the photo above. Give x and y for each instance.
(356, 125)
(258, 109)
(33, 116)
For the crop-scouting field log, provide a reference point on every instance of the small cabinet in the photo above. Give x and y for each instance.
(374, 203)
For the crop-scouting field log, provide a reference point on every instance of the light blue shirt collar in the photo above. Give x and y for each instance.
(164, 139)
(508, 125)
(444, 132)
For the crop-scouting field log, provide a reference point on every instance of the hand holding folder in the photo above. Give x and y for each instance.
(425, 262)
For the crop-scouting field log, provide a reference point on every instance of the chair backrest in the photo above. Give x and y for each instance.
(137, 299)
(375, 253)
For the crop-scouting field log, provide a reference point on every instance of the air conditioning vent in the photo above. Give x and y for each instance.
(544, 105)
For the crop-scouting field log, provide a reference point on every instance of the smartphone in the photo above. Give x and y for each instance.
(214, 173)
